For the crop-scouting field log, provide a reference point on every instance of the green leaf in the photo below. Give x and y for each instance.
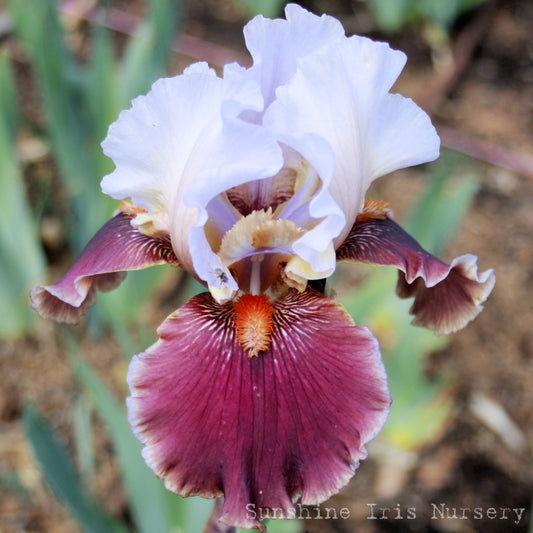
(60, 81)
(22, 261)
(102, 93)
(80, 102)
(420, 408)
(439, 213)
(56, 465)
(82, 430)
(394, 15)
(445, 12)
(416, 399)
(8, 97)
(153, 507)
(147, 52)
(267, 8)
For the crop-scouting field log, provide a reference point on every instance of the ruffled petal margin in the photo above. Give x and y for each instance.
(446, 297)
(116, 247)
(260, 431)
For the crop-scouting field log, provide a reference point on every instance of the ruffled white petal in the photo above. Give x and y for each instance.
(314, 244)
(180, 146)
(276, 45)
(151, 143)
(403, 136)
(342, 95)
(242, 152)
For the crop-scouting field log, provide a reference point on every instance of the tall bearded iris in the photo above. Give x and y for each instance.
(263, 390)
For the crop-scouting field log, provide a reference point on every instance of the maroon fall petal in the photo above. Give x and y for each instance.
(446, 297)
(260, 431)
(116, 247)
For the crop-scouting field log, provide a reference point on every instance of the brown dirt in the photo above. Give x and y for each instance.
(471, 465)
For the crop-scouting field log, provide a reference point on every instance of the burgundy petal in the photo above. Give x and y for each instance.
(446, 297)
(117, 246)
(263, 430)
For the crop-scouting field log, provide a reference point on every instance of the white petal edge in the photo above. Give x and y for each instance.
(243, 152)
(314, 247)
(341, 94)
(409, 138)
(181, 145)
(277, 44)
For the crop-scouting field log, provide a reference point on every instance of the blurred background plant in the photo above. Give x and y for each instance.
(393, 15)
(83, 84)
(390, 15)
(22, 260)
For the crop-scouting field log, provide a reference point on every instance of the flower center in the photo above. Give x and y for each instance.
(253, 323)
(254, 230)
(273, 214)
(270, 192)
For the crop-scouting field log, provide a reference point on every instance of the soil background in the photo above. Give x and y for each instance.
(486, 109)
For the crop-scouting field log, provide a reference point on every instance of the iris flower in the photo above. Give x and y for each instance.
(262, 389)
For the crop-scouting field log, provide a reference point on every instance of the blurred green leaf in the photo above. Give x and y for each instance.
(393, 15)
(56, 464)
(102, 93)
(81, 101)
(8, 98)
(60, 81)
(152, 506)
(22, 261)
(267, 8)
(82, 430)
(446, 12)
(440, 212)
(142, 487)
(129, 304)
(147, 52)
(419, 409)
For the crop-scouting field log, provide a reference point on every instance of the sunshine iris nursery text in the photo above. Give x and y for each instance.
(443, 511)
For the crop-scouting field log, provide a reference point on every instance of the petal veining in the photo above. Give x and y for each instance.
(268, 192)
(265, 430)
(101, 267)
(446, 297)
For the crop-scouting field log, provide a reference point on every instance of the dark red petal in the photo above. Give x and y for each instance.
(264, 430)
(446, 297)
(117, 246)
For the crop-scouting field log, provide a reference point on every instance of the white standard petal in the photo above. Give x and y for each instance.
(241, 153)
(342, 95)
(324, 216)
(402, 135)
(179, 146)
(276, 45)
